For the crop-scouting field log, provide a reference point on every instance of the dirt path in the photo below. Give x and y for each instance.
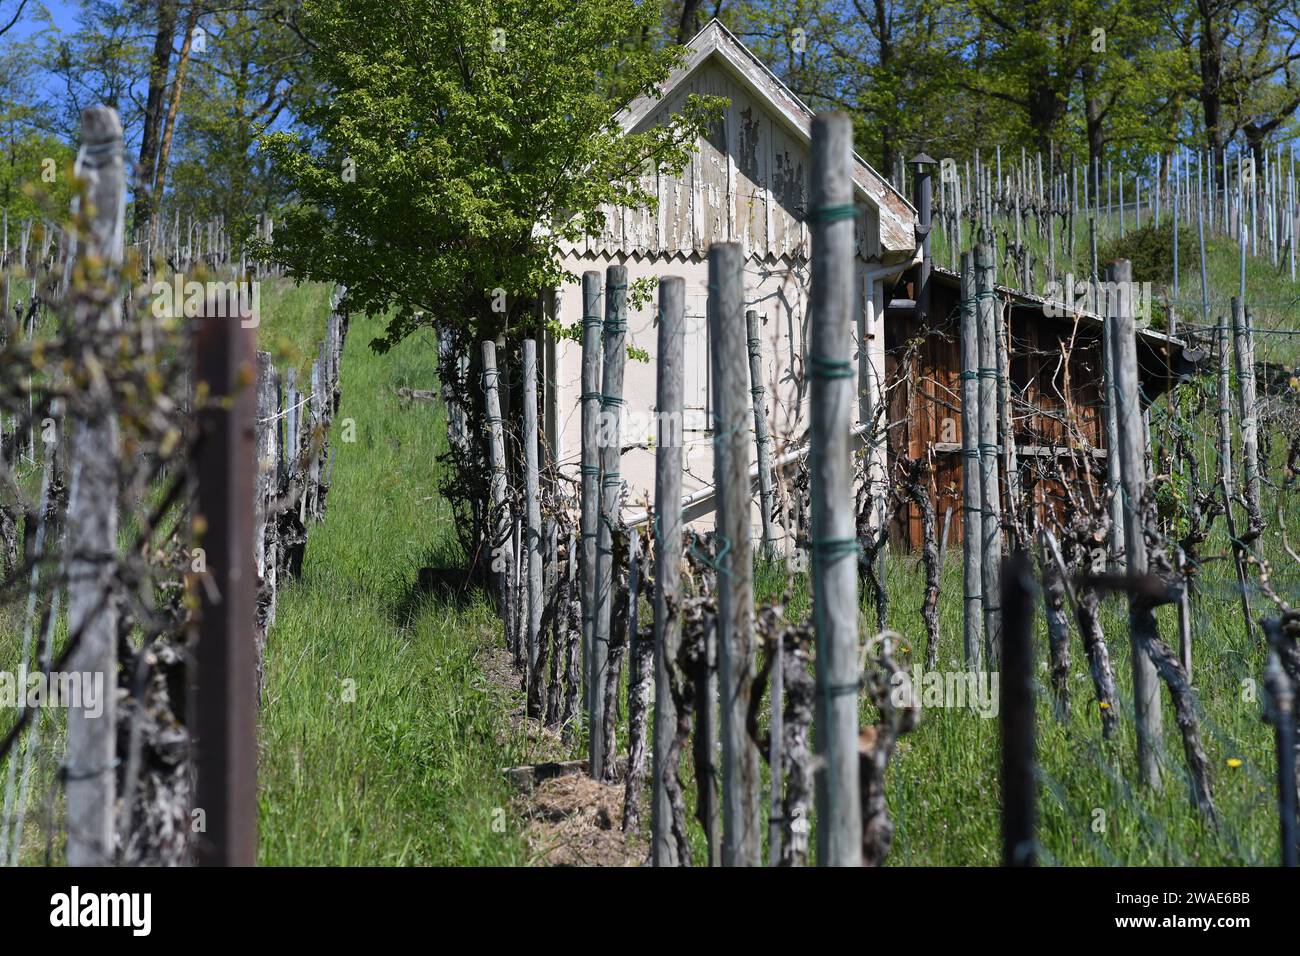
(569, 819)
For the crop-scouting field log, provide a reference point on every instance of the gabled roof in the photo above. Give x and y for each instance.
(897, 215)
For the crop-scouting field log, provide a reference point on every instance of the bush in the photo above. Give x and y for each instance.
(1151, 250)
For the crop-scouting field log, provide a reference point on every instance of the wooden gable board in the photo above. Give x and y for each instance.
(792, 125)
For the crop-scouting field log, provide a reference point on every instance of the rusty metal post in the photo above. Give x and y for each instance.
(1281, 714)
(225, 683)
(1017, 710)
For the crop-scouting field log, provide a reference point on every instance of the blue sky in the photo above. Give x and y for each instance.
(38, 16)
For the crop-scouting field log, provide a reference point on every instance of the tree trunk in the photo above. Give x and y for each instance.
(159, 68)
(689, 24)
(1210, 55)
(169, 125)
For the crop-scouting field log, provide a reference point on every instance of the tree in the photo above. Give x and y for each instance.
(461, 141)
(1264, 73)
(253, 72)
(1132, 87)
(876, 59)
(1247, 66)
(34, 163)
(160, 60)
(98, 62)
(1028, 55)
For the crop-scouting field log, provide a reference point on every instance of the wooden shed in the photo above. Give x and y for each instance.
(1055, 358)
(748, 183)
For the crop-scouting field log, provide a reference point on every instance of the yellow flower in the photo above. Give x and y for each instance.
(1103, 705)
(1234, 762)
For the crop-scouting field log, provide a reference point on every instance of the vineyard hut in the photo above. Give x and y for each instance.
(748, 183)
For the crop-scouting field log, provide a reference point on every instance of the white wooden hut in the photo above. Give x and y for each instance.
(747, 182)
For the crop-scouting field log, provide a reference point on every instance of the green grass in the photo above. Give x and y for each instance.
(944, 780)
(408, 773)
(292, 323)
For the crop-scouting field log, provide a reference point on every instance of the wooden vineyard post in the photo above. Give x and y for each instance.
(990, 509)
(4, 270)
(292, 414)
(611, 401)
(1184, 616)
(315, 415)
(500, 561)
(741, 838)
(1131, 454)
(533, 529)
(638, 691)
(589, 468)
(1017, 713)
(669, 397)
(225, 685)
(1244, 357)
(516, 611)
(92, 521)
(1006, 423)
(264, 538)
(1110, 428)
(705, 745)
(972, 527)
(944, 530)
(1244, 354)
(776, 755)
(762, 439)
(1225, 404)
(834, 541)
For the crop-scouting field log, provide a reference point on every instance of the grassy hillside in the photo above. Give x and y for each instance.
(408, 772)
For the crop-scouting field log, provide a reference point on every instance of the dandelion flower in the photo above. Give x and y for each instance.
(1234, 762)
(1104, 705)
